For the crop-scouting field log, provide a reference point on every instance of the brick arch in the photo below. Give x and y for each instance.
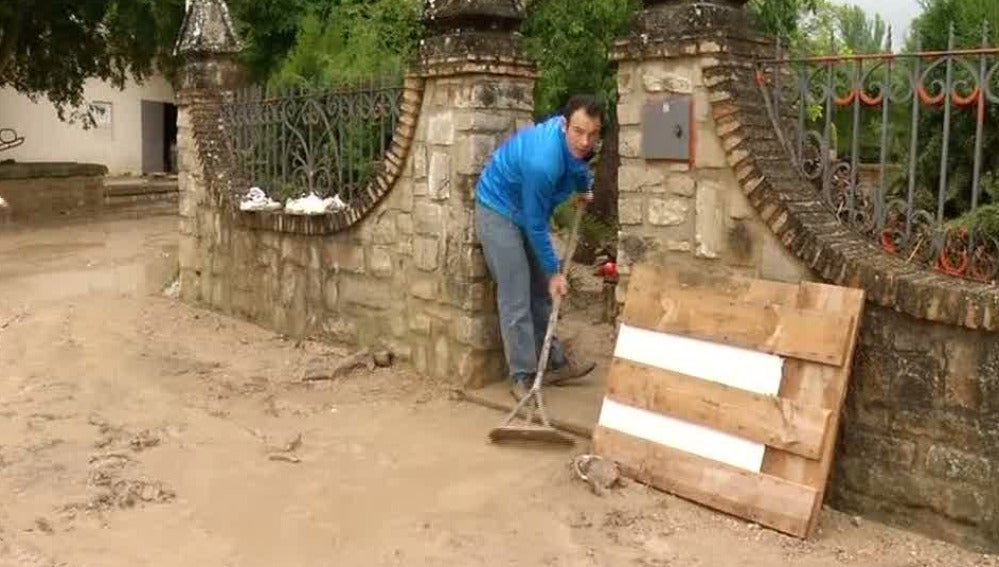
(378, 187)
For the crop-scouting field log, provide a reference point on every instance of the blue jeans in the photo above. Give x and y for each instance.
(522, 294)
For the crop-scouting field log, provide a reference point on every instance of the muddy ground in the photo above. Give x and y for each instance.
(135, 431)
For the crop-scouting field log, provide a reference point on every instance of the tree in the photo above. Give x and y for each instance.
(350, 40)
(50, 48)
(780, 18)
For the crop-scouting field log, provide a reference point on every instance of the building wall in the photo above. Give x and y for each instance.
(117, 145)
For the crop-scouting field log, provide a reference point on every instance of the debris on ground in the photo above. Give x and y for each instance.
(320, 369)
(599, 473)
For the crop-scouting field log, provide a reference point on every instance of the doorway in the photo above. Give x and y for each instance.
(159, 137)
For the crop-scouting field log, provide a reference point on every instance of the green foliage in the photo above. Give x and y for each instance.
(51, 48)
(351, 41)
(571, 42)
(594, 233)
(781, 18)
(930, 32)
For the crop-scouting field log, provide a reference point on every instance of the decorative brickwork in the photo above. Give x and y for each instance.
(919, 445)
(401, 269)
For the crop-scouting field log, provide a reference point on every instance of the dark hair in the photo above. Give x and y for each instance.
(587, 103)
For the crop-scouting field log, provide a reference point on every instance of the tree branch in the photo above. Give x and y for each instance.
(9, 36)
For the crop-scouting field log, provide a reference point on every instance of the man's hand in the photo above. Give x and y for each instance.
(558, 286)
(581, 200)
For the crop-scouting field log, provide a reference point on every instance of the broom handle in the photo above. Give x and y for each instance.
(557, 301)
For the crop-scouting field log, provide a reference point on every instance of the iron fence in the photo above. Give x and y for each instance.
(293, 142)
(903, 147)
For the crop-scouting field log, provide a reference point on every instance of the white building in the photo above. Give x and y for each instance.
(136, 132)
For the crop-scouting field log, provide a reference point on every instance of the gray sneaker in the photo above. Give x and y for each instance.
(519, 389)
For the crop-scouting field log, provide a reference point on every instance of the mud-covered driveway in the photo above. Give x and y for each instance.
(135, 430)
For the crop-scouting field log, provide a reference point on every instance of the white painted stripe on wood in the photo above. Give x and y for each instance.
(682, 435)
(733, 366)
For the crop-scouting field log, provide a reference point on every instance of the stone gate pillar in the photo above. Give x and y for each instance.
(478, 88)
(207, 47)
(681, 199)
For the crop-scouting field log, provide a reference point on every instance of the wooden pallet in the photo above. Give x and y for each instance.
(727, 391)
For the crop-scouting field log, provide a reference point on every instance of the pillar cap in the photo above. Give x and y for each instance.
(207, 29)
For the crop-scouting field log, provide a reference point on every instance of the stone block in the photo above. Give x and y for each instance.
(708, 151)
(295, 250)
(419, 323)
(424, 287)
(477, 368)
(188, 254)
(738, 206)
(629, 109)
(380, 230)
(428, 218)
(963, 387)
(681, 184)
(667, 211)
(630, 142)
(709, 221)
(441, 357)
(340, 254)
(668, 77)
(439, 177)
(340, 328)
(426, 253)
(292, 286)
(484, 122)
(467, 294)
(440, 127)
(404, 224)
(367, 292)
(331, 293)
(421, 360)
(380, 261)
(702, 107)
(630, 210)
(472, 152)
(951, 464)
(640, 179)
(626, 71)
(419, 156)
(508, 94)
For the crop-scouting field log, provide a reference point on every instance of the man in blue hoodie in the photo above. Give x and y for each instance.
(531, 174)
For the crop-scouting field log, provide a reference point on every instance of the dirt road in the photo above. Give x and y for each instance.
(137, 431)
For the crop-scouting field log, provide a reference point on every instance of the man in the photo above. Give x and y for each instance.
(530, 175)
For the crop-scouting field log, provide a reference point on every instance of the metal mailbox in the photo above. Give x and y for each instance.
(667, 129)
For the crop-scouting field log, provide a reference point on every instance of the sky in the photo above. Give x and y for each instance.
(897, 13)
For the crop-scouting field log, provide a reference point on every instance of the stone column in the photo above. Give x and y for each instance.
(207, 46)
(688, 210)
(478, 89)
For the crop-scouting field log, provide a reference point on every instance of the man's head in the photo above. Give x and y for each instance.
(583, 119)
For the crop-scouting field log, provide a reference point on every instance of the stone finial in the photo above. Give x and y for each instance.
(664, 26)
(207, 28)
(471, 31)
(473, 14)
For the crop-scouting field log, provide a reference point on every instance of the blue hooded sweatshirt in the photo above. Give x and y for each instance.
(530, 175)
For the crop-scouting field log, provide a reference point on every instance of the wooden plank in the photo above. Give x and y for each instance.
(770, 420)
(770, 501)
(808, 334)
(817, 385)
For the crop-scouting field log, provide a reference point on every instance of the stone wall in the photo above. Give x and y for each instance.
(918, 443)
(401, 268)
(41, 192)
(682, 212)
(920, 438)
